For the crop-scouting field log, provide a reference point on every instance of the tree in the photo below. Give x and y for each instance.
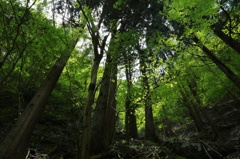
(16, 27)
(16, 142)
(104, 118)
(130, 103)
(194, 29)
(173, 64)
(229, 73)
(226, 39)
(192, 108)
(110, 16)
(97, 44)
(85, 144)
(150, 133)
(225, 28)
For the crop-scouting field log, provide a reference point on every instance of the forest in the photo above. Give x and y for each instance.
(119, 79)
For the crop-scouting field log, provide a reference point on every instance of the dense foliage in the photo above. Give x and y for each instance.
(156, 66)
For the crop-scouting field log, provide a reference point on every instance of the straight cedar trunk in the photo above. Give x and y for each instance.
(104, 118)
(111, 116)
(85, 143)
(130, 122)
(133, 125)
(150, 133)
(227, 71)
(15, 144)
(86, 130)
(193, 110)
(225, 38)
(130, 117)
(127, 117)
(192, 86)
(167, 125)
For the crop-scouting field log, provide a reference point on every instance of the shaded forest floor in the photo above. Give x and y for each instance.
(59, 138)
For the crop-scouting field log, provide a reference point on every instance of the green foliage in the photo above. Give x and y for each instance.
(29, 47)
(181, 62)
(30, 44)
(195, 15)
(119, 4)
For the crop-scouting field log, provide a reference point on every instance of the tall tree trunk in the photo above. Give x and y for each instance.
(85, 143)
(110, 118)
(167, 125)
(150, 133)
(192, 86)
(227, 71)
(86, 132)
(130, 117)
(15, 144)
(192, 105)
(217, 29)
(133, 124)
(193, 110)
(104, 117)
(130, 122)
(127, 117)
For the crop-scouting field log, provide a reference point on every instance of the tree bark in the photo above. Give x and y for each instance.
(104, 117)
(130, 122)
(227, 71)
(191, 104)
(85, 143)
(167, 124)
(133, 124)
(192, 86)
(127, 117)
(192, 110)
(86, 132)
(150, 133)
(130, 118)
(225, 38)
(15, 144)
(111, 118)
